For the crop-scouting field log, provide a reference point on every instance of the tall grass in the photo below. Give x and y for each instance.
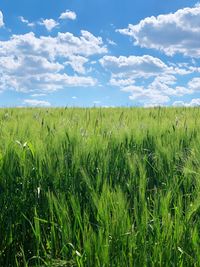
(100, 187)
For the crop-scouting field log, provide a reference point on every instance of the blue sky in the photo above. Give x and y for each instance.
(102, 53)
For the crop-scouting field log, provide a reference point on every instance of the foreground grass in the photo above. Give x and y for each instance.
(100, 187)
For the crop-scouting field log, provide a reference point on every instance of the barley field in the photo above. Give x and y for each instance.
(100, 187)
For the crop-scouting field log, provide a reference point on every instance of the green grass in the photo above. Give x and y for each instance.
(100, 187)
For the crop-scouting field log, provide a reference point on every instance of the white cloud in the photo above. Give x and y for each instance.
(38, 95)
(1, 19)
(160, 90)
(178, 103)
(194, 84)
(44, 82)
(68, 14)
(63, 45)
(35, 64)
(49, 24)
(111, 42)
(166, 85)
(133, 66)
(147, 79)
(36, 103)
(25, 21)
(55, 81)
(172, 33)
(77, 63)
(24, 65)
(195, 102)
(114, 81)
(147, 96)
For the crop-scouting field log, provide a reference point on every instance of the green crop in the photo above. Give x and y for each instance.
(110, 187)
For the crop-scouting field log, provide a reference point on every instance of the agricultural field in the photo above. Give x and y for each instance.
(100, 187)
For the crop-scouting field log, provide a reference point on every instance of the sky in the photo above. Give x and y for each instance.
(99, 53)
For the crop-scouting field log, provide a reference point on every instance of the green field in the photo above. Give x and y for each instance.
(100, 187)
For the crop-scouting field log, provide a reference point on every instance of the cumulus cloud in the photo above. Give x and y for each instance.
(49, 24)
(194, 84)
(134, 66)
(30, 63)
(160, 90)
(77, 63)
(68, 14)
(147, 79)
(146, 96)
(156, 92)
(167, 85)
(34, 73)
(62, 45)
(1, 19)
(36, 103)
(172, 33)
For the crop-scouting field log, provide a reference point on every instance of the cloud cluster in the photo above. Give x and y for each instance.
(148, 80)
(62, 45)
(172, 33)
(160, 90)
(42, 64)
(49, 24)
(29, 63)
